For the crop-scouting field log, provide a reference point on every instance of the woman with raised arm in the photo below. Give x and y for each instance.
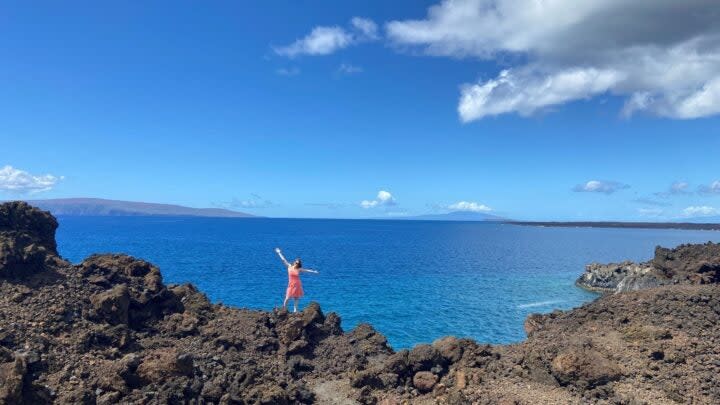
(294, 288)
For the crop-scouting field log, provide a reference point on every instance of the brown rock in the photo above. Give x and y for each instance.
(424, 381)
(449, 348)
(584, 367)
(112, 305)
(164, 363)
(460, 379)
(11, 380)
(424, 357)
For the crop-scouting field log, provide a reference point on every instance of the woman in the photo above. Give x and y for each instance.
(294, 289)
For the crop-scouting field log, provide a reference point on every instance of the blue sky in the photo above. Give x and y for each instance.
(249, 106)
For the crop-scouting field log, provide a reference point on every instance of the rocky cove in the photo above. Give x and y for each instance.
(108, 330)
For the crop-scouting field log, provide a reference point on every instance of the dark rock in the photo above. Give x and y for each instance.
(366, 378)
(685, 264)
(12, 375)
(112, 305)
(164, 363)
(23, 221)
(424, 357)
(83, 345)
(450, 348)
(424, 381)
(583, 367)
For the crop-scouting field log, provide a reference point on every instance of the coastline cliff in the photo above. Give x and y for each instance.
(108, 330)
(685, 264)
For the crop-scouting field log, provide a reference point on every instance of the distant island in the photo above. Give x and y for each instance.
(454, 216)
(618, 224)
(102, 207)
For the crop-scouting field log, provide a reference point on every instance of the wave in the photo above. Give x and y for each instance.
(539, 304)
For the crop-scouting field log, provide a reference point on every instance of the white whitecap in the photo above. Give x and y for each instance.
(539, 304)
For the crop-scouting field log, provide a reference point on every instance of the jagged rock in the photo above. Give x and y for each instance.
(697, 264)
(165, 363)
(424, 357)
(397, 363)
(424, 381)
(450, 348)
(112, 305)
(23, 221)
(584, 368)
(27, 240)
(64, 338)
(685, 264)
(12, 375)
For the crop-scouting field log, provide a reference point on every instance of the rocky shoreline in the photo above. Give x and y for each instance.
(686, 264)
(108, 330)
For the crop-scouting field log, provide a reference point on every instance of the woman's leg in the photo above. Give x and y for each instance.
(295, 304)
(285, 302)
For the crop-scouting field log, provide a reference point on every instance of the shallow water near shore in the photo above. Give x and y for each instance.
(414, 281)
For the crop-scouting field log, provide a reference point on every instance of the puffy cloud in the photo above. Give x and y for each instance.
(598, 186)
(677, 188)
(19, 181)
(367, 27)
(468, 206)
(712, 188)
(384, 198)
(663, 56)
(527, 90)
(700, 211)
(326, 40)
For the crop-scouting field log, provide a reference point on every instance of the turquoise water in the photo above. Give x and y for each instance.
(413, 280)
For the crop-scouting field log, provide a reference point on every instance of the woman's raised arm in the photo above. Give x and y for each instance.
(309, 271)
(279, 252)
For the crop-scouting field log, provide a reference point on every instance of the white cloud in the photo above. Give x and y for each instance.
(349, 69)
(712, 188)
(663, 56)
(326, 40)
(19, 181)
(677, 188)
(384, 198)
(526, 91)
(598, 186)
(700, 211)
(367, 27)
(468, 206)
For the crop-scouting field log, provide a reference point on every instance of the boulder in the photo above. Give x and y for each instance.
(164, 363)
(27, 239)
(112, 305)
(12, 375)
(584, 368)
(424, 381)
(450, 348)
(424, 357)
(37, 226)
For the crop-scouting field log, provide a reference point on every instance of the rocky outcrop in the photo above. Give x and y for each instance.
(110, 331)
(27, 239)
(686, 264)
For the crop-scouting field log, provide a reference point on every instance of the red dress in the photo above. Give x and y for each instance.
(294, 289)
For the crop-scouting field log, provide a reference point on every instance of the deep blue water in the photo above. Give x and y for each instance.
(413, 280)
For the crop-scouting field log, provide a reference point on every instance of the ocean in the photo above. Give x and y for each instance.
(414, 281)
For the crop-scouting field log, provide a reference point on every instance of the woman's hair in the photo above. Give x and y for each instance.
(297, 263)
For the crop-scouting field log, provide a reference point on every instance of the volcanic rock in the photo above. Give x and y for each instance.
(110, 331)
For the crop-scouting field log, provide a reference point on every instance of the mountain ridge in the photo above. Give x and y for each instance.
(105, 207)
